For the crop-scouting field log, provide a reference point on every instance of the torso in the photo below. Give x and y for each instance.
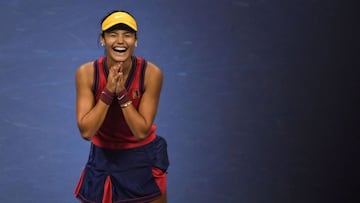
(114, 132)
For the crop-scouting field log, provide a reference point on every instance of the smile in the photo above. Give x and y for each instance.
(120, 49)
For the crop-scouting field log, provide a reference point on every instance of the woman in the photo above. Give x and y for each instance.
(117, 98)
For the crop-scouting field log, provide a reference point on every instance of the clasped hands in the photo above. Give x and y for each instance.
(116, 79)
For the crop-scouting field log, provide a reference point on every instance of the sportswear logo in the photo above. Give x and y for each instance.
(135, 94)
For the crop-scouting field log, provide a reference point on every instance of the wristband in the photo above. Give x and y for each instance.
(123, 97)
(106, 96)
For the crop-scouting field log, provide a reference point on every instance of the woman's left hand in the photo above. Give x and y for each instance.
(120, 84)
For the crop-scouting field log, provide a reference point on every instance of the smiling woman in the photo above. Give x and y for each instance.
(117, 98)
(119, 35)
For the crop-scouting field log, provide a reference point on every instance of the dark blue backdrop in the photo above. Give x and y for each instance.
(257, 102)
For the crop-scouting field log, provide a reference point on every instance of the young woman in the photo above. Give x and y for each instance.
(117, 98)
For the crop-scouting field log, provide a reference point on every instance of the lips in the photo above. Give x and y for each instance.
(120, 49)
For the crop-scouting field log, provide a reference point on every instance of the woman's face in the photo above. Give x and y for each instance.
(119, 44)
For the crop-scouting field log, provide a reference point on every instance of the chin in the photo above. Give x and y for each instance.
(118, 58)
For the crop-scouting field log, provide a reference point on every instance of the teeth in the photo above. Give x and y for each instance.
(120, 49)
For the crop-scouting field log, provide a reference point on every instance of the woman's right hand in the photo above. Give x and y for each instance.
(115, 72)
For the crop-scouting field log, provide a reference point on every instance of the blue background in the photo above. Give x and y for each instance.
(258, 100)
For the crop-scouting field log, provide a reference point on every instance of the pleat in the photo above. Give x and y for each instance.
(107, 198)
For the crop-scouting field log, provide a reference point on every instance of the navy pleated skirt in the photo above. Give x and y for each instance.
(126, 175)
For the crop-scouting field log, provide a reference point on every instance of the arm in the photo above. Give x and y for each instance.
(90, 116)
(140, 122)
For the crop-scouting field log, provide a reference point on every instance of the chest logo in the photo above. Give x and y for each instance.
(135, 94)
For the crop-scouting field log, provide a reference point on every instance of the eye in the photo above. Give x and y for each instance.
(112, 34)
(128, 34)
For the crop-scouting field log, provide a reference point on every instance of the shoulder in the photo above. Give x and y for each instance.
(152, 69)
(86, 67)
(153, 74)
(85, 72)
(150, 66)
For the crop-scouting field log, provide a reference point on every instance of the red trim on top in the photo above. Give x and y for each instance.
(100, 142)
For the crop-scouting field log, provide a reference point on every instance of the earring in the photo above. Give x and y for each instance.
(135, 44)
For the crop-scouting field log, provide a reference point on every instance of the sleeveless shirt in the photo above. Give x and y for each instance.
(114, 133)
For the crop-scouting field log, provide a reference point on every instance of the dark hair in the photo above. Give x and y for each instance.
(119, 26)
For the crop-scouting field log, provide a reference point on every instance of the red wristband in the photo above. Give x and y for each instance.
(123, 97)
(106, 96)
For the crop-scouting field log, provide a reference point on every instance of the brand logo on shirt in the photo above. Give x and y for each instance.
(135, 94)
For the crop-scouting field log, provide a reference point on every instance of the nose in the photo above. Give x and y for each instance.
(120, 39)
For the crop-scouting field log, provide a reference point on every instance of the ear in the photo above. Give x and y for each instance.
(102, 41)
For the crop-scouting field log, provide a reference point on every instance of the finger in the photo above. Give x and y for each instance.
(120, 66)
(115, 68)
(113, 72)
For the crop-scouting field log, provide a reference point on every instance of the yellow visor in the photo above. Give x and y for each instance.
(117, 18)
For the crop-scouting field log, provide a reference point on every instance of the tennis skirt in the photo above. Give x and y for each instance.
(124, 176)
